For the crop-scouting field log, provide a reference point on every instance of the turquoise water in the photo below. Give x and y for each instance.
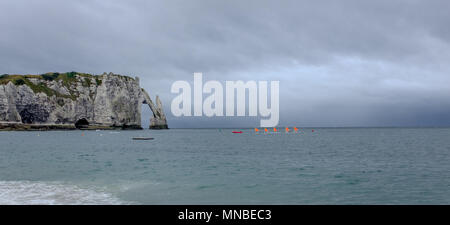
(214, 166)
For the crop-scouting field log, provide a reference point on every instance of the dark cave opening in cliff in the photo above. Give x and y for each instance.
(82, 123)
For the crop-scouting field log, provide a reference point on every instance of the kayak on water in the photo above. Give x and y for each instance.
(237, 132)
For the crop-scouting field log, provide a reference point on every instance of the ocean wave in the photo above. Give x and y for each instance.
(52, 193)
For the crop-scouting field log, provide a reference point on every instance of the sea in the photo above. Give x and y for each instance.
(215, 166)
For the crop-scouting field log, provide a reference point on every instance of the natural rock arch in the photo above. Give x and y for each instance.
(158, 121)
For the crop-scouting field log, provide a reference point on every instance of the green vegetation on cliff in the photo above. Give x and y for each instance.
(6, 78)
(67, 80)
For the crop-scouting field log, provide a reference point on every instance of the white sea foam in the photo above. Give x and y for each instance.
(52, 193)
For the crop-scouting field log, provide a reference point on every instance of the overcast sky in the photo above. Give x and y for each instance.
(339, 63)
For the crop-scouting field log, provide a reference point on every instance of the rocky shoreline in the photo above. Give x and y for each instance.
(46, 127)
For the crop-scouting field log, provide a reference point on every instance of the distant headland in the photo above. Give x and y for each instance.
(75, 100)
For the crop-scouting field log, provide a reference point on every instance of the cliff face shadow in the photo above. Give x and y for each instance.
(32, 113)
(82, 123)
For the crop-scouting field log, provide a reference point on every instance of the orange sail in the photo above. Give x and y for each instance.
(256, 130)
(274, 129)
(265, 130)
(295, 129)
(287, 129)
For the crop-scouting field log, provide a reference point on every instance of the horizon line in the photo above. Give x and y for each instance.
(444, 126)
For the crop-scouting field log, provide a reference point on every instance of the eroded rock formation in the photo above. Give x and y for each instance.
(75, 100)
(158, 121)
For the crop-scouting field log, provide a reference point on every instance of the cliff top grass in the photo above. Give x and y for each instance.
(67, 79)
(69, 76)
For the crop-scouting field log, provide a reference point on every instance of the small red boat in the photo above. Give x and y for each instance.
(237, 132)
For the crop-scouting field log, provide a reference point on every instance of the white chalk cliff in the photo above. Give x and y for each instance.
(75, 100)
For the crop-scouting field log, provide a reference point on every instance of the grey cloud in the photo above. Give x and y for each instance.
(330, 56)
